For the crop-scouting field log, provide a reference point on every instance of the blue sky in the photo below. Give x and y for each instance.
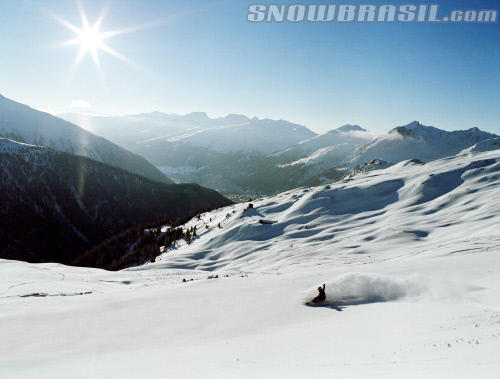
(205, 56)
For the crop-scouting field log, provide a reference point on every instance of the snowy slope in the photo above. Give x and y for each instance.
(328, 150)
(362, 217)
(409, 254)
(329, 154)
(485, 145)
(415, 140)
(24, 124)
(352, 135)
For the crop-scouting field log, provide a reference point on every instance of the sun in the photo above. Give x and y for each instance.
(90, 38)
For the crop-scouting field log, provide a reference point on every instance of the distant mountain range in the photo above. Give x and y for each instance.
(152, 134)
(55, 205)
(233, 154)
(243, 156)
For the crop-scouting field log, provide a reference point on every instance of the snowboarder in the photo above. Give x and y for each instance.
(321, 296)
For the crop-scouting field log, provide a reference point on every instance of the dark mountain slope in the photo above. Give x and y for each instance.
(54, 205)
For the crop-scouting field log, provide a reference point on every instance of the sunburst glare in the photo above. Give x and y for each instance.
(91, 39)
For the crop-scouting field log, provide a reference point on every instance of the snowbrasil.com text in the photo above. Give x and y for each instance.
(279, 13)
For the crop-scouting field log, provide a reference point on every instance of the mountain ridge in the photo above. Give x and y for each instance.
(418, 141)
(22, 123)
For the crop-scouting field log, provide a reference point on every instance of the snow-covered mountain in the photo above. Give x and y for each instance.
(263, 136)
(353, 147)
(485, 145)
(146, 133)
(363, 153)
(328, 150)
(24, 124)
(54, 205)
(409, 255)
(346, 135)
(415, 140)
(133, 131)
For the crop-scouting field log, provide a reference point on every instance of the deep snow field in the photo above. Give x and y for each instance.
(410, 256)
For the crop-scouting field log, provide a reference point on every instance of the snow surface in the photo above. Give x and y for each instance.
(327, 156)
(410, 256)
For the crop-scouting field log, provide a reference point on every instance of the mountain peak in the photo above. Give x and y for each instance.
(413, 125)
(414, 129)
(234, 117)
(350, 128)
(156, 115)
(196, 116)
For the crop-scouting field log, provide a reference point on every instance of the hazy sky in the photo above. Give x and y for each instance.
(200, 55)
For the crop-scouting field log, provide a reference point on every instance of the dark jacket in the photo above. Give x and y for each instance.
(321, 296)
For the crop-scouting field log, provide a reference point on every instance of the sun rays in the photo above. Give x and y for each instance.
(92, 40)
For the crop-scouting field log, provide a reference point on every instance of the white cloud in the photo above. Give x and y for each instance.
(81, 104)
